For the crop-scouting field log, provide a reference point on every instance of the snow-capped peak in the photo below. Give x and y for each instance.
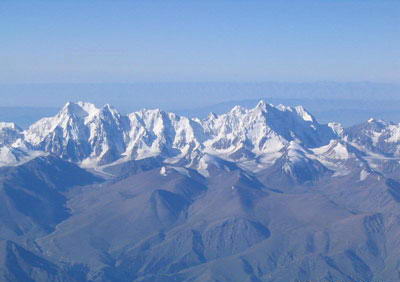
(9, 133)
(92, 136)
(304, 114)
(9, 125)
(262, 105)
(79, 109)
(376, 135)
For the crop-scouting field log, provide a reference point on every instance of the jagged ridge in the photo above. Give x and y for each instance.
(254, 138)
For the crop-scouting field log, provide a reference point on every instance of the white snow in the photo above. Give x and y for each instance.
(163, 171)
(363, 175)
(334, 150)
(304, 114)
(252, 138)
(8, 125)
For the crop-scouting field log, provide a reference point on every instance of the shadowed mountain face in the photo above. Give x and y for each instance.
(32, 194)
(266, 194)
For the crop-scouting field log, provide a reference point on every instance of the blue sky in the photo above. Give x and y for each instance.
(146, 41)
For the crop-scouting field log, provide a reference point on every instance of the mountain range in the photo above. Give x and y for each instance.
(260, 194)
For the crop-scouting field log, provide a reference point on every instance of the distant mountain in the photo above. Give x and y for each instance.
(130, 97)
(260, 138)
(343, 110)
(376, 135)
(340, 109)
(94, 137)
(25, 116)
(254, 194)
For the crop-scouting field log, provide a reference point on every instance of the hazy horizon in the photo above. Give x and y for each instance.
(181, 95)
(347, 103)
